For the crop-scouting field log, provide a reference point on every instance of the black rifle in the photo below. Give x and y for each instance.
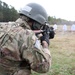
(46, 30)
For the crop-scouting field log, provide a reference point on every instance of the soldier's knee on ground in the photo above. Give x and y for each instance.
(41, 68)
(41, 65)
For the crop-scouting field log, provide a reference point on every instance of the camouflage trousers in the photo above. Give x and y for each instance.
(8, 67)
(19, 72)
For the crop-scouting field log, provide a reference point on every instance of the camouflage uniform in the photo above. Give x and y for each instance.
(18, 53)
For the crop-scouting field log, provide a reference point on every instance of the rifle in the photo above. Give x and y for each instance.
(47, 30)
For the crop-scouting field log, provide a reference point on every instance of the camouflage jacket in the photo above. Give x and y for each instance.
(18, 43)
(14, 40)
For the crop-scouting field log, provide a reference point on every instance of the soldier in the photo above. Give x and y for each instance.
(20, 50)
(55, 27)
(73, 28)
(64, 27)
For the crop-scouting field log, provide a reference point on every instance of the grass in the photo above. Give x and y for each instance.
(62, 49)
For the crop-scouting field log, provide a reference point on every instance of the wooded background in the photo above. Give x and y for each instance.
(9, 13)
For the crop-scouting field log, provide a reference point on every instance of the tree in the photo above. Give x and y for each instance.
(7, 13)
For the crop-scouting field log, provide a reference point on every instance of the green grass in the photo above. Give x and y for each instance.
(62, 49)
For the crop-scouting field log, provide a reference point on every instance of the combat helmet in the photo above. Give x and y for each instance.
(35, 12)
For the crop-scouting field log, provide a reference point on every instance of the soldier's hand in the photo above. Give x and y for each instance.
(39, 35)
